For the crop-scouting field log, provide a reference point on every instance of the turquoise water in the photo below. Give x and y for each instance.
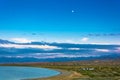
(19, 73)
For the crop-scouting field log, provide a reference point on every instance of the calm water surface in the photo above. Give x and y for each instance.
(19, 73)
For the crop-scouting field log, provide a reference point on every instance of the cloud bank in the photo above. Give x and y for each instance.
(45, 47)
(21, 40)
(44, 50)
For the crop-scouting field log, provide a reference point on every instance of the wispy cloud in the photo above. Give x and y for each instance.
(85, 39)
(45, 47)
(52, 55)
(102, 50)
(21, 40)
(100, 43)
(117, 50)
(103, 34)
(73, 48)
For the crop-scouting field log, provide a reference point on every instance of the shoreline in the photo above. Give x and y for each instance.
(64, 75)
(102, 70)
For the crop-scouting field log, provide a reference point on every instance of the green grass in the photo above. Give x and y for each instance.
(99, 72)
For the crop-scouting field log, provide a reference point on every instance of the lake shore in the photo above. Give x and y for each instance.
(80, 70)
(64, 75)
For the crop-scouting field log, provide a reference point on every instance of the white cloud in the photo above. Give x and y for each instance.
(102, 50)
(45, 47)
(52, 55)
(73, 48)
(117, 50)
(21, 40)
(98, 43)
(85, 39)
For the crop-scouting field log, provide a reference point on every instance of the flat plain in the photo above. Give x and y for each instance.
(79, 70)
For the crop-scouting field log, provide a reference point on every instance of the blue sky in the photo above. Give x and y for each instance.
(61, 20)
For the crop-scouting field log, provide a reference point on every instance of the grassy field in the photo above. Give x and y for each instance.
(82, 70)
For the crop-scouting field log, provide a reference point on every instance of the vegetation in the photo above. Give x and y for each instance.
(90, 70)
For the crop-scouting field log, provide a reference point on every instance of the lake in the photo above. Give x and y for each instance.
(19, 73)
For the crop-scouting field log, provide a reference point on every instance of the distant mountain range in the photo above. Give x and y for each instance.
(5, 42)
(50, 52)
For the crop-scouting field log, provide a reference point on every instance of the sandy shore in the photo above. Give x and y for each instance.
(65, 75)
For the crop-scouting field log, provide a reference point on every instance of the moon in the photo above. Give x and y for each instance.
(73, 11)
